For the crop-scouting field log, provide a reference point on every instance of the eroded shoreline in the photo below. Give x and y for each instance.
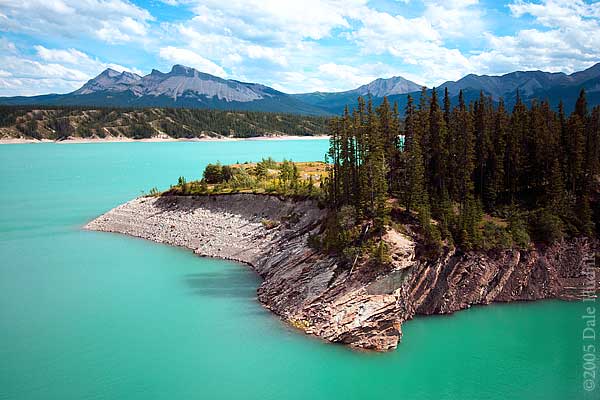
(316, 294)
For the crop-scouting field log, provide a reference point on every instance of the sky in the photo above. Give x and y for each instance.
(55, 46)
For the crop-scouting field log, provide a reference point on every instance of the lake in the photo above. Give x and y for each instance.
(89, 315)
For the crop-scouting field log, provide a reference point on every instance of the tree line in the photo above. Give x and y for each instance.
(474, 173)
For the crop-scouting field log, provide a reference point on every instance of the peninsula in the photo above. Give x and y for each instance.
(323, 296)
(448, 209)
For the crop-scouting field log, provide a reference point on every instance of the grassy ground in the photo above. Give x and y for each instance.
(266, 177)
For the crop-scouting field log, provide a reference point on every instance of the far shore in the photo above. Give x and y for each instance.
(113, 139)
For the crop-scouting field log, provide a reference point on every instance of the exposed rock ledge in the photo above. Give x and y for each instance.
(310, 290)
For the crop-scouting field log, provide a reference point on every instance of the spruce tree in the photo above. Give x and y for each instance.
(482, 126)
(496, 187)
(414, 178)
(513, 163)
(575, 151)
(581, 105)
(465, 143)
(447, 107)
(437, 146)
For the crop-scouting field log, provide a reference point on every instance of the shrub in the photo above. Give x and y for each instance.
(213, 173)
(241, 179)
(494, 236)
(269, 223)
(350, 253)
(227, 173)
(546, 226)
(380, 254)
(519, 235)
(432, 237)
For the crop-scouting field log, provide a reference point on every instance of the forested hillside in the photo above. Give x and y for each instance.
(59, 123)
(477, 176)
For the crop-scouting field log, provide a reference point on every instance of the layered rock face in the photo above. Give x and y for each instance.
(355, 306)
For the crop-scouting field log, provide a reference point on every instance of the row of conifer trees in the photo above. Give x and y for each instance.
(532, 165)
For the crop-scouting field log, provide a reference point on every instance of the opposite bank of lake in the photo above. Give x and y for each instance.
(164, 139)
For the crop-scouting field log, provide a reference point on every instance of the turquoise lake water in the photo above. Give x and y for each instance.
(88, 315)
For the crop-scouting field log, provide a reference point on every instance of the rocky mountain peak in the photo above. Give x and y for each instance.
(109, 80)
(387, 87)
(182, 70)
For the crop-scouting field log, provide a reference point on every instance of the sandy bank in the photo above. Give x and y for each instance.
(75, 140)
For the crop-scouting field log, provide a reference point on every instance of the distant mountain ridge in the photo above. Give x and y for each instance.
(527, 82)
(109, 80)
(387, 87)
(182, 87)
(181, 82)
(335, 102)
(530, 85)
(188, 88)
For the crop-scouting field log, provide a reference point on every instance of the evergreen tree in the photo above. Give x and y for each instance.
(581, 105)
(413, 188)
(437, 169)
(575, 152)
(496, 187)
(555, 191)
(482, 127)
(447, 107)
(455, 163)
(513, 162)
(465, 165)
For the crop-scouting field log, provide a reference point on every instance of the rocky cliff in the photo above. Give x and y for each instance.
(355, 306)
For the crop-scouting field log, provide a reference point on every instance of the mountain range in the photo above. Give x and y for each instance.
(188, 88)
(182, 87)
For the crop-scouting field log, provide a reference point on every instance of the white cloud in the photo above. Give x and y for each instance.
(259, 40)
(54, 70)
(381, 31)
(311, 45)
(7, 46)
(569, 41)
(111, 20)
(414, 41)
(78, 59)
(275, 21)
(553, 13)
(191, 59)
(455, 18)
(266, 53)
(21, 67)
(68, 56)
(237, 33)
(353, 75)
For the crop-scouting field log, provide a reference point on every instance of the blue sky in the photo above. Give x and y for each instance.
(295, 46)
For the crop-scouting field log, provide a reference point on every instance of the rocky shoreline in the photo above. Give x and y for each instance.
(315, 293)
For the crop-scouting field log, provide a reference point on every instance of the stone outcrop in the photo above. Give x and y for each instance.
(354, 306)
